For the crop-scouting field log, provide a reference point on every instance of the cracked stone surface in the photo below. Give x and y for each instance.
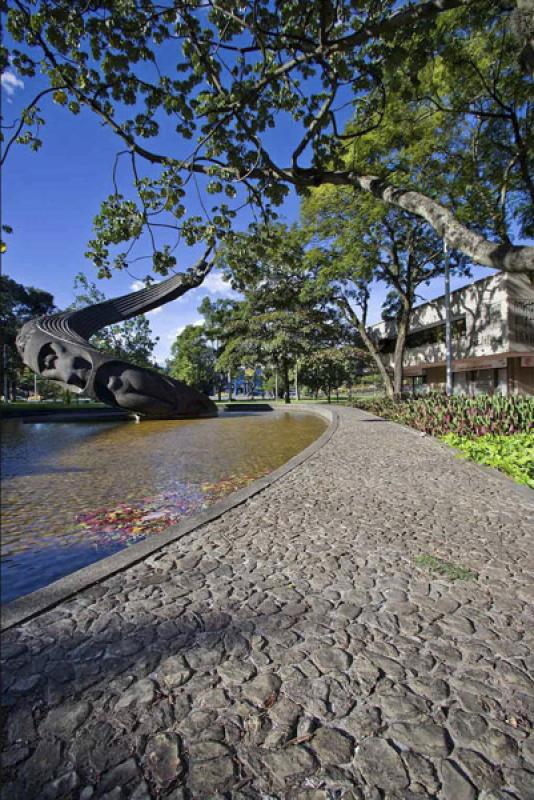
(293, 648)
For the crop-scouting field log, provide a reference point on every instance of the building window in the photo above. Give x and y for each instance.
(482, 381)
(460, 382)
(501, 385)
(521, 319)
(419, 384)
(433, 334)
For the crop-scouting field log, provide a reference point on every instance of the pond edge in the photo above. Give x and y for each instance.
(31, 605)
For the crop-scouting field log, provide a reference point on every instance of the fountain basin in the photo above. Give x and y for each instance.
(78, 493)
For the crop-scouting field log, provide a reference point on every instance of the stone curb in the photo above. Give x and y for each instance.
(24, 608)
(507, 482)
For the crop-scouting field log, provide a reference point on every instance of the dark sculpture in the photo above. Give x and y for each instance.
(57, 348)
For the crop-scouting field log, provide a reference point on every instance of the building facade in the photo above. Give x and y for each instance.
(492, 339)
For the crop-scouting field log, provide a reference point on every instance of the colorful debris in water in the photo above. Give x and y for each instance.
(127, 523)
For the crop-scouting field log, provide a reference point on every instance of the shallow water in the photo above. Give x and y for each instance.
(73, 493)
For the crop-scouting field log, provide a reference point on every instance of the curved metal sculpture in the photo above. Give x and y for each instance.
(57, 348)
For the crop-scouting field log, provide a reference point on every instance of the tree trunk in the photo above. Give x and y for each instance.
(398, 358)
(285, 373)
(230, 398)
(352, 317)
(377, 358)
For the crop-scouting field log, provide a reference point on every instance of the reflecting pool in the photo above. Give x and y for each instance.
(73, 493)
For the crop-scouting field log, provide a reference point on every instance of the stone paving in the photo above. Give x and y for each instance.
(294, 648)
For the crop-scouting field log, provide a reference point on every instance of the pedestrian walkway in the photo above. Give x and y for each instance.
(299, 646)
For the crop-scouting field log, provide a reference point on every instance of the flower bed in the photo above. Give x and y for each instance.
(492, 430)
(439, 415)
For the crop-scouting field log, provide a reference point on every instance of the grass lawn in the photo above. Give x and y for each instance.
(343, 400)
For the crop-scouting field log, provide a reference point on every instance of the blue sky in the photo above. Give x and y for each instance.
(51, 197)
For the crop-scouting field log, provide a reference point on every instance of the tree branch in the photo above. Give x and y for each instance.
(315, 126)
(505, 257)
(407, 17)
(22, 121)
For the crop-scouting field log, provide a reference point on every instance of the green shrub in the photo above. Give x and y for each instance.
(437, 414)
(513, 455)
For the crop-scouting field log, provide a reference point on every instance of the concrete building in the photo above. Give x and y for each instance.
(492, 339)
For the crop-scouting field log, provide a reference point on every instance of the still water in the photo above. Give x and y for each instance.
(73, 493)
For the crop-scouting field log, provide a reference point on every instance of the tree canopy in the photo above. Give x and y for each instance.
(192, 360)
(281, 319)
(329, 367)
(18, 304)
(195, 92)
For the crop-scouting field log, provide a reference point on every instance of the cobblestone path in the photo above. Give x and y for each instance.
(294, 648)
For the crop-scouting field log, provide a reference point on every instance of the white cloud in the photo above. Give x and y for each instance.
(157, 310)
(171, 336)
(214, 283)
(137, 285)
(10, 83)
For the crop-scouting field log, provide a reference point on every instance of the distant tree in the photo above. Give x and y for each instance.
(18, 304)
(329, 368)
(269, 336)
(192, 360)
(358, 242)
(218, 315)
(132, 340)
(278, 322)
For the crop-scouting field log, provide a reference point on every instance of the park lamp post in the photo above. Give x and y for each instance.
(448, 331)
